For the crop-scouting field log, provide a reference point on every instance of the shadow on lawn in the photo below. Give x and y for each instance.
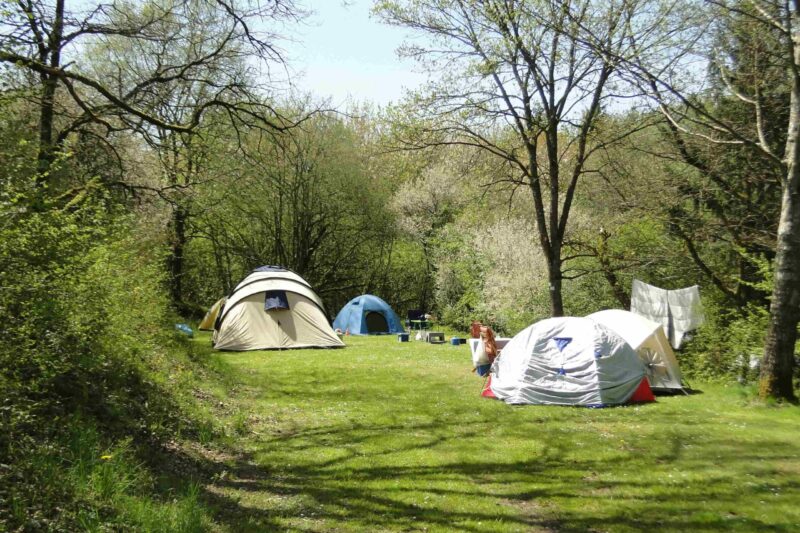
(333, 493)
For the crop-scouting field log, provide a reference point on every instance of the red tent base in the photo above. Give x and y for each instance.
(643, 393)
(487, 388)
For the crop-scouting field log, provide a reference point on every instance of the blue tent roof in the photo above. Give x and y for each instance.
(270, 268)
(367, 315)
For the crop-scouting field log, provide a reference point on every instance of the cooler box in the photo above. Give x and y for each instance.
(435, 337)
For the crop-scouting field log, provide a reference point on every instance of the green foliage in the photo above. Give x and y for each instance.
(459, 284)
(86, 360)
(307, 200)
(729, 346)
(406, 278)
(92, 487)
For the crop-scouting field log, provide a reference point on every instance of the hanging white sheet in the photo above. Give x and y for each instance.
(678, 311)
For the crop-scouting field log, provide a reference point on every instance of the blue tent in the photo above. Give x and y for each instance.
(367, 315)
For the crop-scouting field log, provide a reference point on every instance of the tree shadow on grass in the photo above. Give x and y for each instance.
(554, 490)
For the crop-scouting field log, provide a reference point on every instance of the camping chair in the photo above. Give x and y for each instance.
(415, 320)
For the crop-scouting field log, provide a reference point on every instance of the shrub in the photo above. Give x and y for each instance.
(85, 348)
(728, 346)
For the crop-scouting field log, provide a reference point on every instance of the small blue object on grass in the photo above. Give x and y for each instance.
(455, 341)
(402, 337)
(185, 329)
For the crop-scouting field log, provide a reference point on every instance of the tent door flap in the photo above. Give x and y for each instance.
(275, 300)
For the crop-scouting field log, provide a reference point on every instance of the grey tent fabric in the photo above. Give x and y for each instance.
(651, 344)
(567, 361)
(678, 311)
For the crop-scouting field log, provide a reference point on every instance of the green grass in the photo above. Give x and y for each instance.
(83, 485)
(384, 436)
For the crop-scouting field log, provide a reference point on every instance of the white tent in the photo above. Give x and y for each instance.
(649, 341)
(273, 308)
(207, 323)
(568, 361)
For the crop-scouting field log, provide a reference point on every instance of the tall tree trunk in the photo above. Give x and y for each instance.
(549, 241)
(179, 216)
(430, 271)
(554, 278)
(46, 154)
(778, 361)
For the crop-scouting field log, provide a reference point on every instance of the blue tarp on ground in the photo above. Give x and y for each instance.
(367, 315)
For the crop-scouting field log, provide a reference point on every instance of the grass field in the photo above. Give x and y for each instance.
(384, 436)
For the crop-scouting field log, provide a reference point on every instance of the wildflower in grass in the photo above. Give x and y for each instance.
(106, 457)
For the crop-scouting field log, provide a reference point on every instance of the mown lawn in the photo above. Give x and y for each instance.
(384, 436)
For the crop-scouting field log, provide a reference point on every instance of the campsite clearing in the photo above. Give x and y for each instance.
(388, 436)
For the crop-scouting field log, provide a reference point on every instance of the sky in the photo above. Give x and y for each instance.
(341, 52)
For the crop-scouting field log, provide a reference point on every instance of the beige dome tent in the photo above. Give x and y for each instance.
(651, 344)
(207, 324)
(273, 308)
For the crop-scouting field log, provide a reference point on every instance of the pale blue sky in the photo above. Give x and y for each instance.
(343, 53)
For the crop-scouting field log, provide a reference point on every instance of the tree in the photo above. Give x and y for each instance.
(157, 69)
(762, 20)
(524, 85)
(424, 206)
(49, 41)
(304, 200)
(219, 71)
(731, 196)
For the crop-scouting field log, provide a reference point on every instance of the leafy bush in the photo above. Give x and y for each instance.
(728, 346)
(85, 361)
